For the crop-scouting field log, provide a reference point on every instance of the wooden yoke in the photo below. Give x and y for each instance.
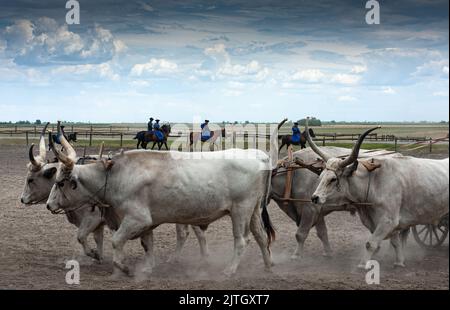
(289, 174)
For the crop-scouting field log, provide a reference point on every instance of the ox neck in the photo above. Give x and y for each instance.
(94, 177)
(359, 186)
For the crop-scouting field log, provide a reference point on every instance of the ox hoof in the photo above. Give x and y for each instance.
(362, 266)
(229, 272)
(296, 257)
(327, 253)
(399, 265)
(122, 268)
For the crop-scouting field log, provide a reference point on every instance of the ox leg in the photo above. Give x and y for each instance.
(398, 247)
(88, 225)
(383, 229)
(303, 229)
(239, 221)
(322, 233)
(261, 238)
(200, 234)
(98, 237)
(182, 235)
(149, 258)
(130, 228)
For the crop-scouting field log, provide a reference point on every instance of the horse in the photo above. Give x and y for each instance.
(194, 137)
(144, 137)
(287, 140)
(71, 137)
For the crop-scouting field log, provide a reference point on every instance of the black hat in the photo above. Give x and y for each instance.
(62, 126)
(156, 120)
(296, 123)
(206, 120)
(151, 118)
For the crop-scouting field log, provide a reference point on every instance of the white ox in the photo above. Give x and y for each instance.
(147, 189)
(40, 179)
(402, 191)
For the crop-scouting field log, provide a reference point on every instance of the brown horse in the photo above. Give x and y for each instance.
(214, 135)
(287, 140)
(144, 137)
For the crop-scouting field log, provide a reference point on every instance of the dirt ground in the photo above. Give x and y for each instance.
(34, 246)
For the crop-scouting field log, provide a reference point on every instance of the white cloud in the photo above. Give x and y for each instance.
(346, 98)
(155, 66)
(445, 70)
(435, 68)
(359, 69)
(44, 42)
(103, 70)
(389, 90)
(347, 79)
(308, 75)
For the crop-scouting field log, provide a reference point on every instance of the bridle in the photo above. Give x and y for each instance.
(92, 200)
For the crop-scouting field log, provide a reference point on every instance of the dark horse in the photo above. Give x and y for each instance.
(144, 137)
(213, 134)
(287, 140)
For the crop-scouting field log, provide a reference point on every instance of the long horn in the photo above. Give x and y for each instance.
(63, 158)
(100, 153)
(313, 146)
(33, 161)
(70, 151)
(42, 148)
(355, 152)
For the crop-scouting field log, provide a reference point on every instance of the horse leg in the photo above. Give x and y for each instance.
(165, 144)
(153, 146)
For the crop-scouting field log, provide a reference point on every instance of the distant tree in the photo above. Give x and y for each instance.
(38, 122)
(312, 122)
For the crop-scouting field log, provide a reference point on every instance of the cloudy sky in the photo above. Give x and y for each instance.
(224, 60)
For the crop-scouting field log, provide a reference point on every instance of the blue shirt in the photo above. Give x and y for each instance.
(295, 131)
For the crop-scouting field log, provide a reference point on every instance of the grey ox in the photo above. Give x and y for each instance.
(194, 191)
(40, 179)
(306, 214)
(402, 191)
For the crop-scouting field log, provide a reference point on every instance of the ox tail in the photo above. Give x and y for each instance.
(267, 223)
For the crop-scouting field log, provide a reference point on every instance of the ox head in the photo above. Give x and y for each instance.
(333, 181)
(40, 175)
(65, 191)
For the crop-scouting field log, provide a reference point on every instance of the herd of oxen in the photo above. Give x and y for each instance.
(390, 193)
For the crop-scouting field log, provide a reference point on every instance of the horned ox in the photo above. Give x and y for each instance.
(305, 214)
(403, 191)
(197, 192)
(40, 179)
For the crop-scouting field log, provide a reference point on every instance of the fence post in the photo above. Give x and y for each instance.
(395, 144)
(26, 136)
(35, 131)
(431, 145)
(15, 128)
(121, 139)
(90, 137)
(323, 141)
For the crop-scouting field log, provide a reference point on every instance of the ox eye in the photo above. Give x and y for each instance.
(333, 180)
(60, 184)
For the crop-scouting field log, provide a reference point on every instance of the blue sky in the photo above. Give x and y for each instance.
(224, 60)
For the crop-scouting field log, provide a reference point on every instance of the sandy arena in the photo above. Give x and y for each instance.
(34, 246)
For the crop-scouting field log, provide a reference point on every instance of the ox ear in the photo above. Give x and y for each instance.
(348, 171)
(49, 173)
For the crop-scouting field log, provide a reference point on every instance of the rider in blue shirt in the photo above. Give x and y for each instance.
(295, 133)
(156, 126)
(206, 133)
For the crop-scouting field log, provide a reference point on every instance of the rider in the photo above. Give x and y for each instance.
(150, 124)
(156, 126)
(295, 133)
(157, 129)
(206, 133)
